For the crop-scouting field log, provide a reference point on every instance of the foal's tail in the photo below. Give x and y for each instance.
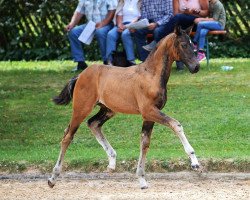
(67, 93)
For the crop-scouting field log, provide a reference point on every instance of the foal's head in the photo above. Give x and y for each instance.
(185, 50)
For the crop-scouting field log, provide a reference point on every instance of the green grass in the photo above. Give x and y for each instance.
(212, 105)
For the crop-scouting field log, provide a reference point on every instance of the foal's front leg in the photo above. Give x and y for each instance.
(157, 116)
(147, 128)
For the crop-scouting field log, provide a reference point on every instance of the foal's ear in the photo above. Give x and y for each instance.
(189, 30)
(177, 30)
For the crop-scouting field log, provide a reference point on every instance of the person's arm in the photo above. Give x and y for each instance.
(176, 7)
(169, 14)
(107, 20)
(203, 12)
(74, 20)
(200, 19)
(119, 20)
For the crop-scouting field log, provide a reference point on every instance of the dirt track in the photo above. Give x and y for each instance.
(184, 186)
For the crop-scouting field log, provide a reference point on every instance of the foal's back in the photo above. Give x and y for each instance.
(120, 89)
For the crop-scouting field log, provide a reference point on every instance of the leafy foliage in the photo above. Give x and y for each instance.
(34, 30)
(222, 48)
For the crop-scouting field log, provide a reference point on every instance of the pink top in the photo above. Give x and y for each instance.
(189, 4)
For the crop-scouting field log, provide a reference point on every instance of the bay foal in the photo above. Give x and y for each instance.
(139, 89)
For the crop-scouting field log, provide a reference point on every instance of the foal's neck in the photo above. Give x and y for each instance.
(160, 60)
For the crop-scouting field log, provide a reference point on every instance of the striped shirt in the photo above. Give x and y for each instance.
(160, 11)
(96, 10)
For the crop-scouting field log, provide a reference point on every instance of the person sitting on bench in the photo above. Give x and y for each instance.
(216, 21)
(127, 11)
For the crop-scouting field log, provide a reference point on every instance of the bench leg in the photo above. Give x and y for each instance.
(207, 45)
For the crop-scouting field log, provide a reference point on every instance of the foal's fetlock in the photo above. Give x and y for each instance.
(112, 163)
(55, 174)
(194, 161)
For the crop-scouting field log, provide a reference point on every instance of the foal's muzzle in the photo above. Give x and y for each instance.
(196, 69)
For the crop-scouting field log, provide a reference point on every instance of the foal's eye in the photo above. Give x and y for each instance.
(184, 46)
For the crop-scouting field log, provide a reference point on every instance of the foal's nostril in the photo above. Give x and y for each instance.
(197, 68)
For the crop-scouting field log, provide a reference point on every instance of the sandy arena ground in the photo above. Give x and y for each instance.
(170, 186)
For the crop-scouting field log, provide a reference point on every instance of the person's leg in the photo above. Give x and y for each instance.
(111, 43)
(76, 47)
(205, 27)
(166, 29)
(101, 36)
(197, 33)
(184, 20)
(140, 40)
(128, 45)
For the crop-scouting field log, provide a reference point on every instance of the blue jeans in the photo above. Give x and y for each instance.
(76, 46)
(127, 41)
(140, 40)
(202, 29)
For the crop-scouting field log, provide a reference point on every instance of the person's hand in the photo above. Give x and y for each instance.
(187, 11)
(197, 20)
(99, 25)
(121, 28)
(132, 30)
(152, 26)
(69, 27)
(196, 11)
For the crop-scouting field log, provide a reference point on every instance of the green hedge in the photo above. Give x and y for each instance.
(34, 30)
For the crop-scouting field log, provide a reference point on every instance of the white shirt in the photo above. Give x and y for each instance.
(130, 11)
(189, 4)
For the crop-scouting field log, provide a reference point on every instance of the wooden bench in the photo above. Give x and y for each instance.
(219, 32)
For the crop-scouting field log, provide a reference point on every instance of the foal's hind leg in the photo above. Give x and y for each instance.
(156, 115)
(95, 124)
(145, 142)
(79, 114)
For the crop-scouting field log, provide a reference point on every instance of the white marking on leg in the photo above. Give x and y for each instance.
(178, 129)
(105, 145)
(145, 140)
(109, 151)
(56, 170)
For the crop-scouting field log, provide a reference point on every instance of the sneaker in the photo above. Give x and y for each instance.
(201, 56)
(150, 46)
(80, 66)
(131, 63)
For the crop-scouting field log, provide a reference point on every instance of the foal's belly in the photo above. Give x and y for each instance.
(119, 100)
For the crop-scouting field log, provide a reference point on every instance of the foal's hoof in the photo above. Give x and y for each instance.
(144, 187)
(50, 183)
(195, 167)
(143, 183)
